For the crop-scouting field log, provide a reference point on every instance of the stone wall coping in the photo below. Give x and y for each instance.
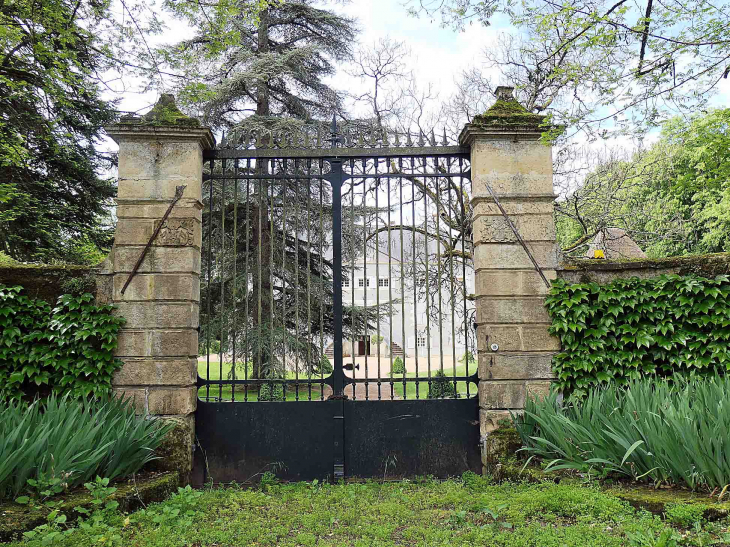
(123, 132)
(696, 263)
(473, 132)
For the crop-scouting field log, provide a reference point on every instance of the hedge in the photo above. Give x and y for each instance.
(634, 327)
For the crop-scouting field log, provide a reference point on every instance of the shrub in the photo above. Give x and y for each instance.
(441, 386)
(62, 437)
(399, 367)
(69, 348)
(684, 514)
(271, 392)
(324, 368)
(635, 327)
(663, 431)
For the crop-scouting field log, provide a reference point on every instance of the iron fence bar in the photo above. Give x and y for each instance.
(283, 269)
(221, 275)
(309, 284)
(329, 381)
(245, 267)
(353, 326)
(463, 269)
(365, 275)
(390, 289)
(235, 279)
(210, 254)
(296, 281)
(377, 271)
(272, 309)
(336, 153)
(336, 182)
(402, 282)
(260, 167)
(438, 267)
(413, 266)
(321, 299)
(428, 288)
(452, 295)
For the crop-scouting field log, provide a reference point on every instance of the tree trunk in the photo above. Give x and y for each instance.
(262, 289)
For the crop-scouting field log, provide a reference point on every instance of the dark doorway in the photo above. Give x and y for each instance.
(363, 346)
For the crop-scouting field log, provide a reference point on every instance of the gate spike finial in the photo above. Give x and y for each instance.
(397, 140)
(445, 141)
(433, 138)
(409, 142)
(360, 138)
(421, 140)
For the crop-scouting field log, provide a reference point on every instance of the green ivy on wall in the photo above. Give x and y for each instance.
(635, 327)
(69, 348)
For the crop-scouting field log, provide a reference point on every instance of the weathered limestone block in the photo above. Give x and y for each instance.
(502, 394)
(495, 229)
(515, 366)
(519, 338)
(498, 282)
(158, 287)
(157, 371)
(500, 310)
(157, 259)
(157, 343)
(175, 232)
(162, 314)
(513, 256)
(172, 401)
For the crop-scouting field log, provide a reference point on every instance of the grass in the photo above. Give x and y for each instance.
(411, 391)
(225, 392)
(461, 387)
(465, 512)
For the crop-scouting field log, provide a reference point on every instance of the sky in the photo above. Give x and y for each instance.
(438, 55)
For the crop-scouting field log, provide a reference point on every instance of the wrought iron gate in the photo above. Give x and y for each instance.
(339, 245)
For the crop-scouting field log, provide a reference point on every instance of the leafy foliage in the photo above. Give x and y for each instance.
(451, 513)
(66, 441)
(51, 116)
(634, 327)
(441, 386)
(669, 431)
(69, 348)
(271, 392)
(399, 367)
(605, 65)
(673, 198)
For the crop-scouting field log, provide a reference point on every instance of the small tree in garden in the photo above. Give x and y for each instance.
(441, 386)
(398, 367)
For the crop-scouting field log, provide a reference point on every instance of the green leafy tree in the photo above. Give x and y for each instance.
(615, 65)
(267, 73)
(51, 117)
(672, 198)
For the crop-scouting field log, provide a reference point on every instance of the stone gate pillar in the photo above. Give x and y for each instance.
(514, 346)
(159, 343)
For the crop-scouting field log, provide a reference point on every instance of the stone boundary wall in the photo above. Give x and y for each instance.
(49, 282)
(605, 271)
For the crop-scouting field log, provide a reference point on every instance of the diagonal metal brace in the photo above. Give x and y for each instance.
(179, 190)
(517, 234)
